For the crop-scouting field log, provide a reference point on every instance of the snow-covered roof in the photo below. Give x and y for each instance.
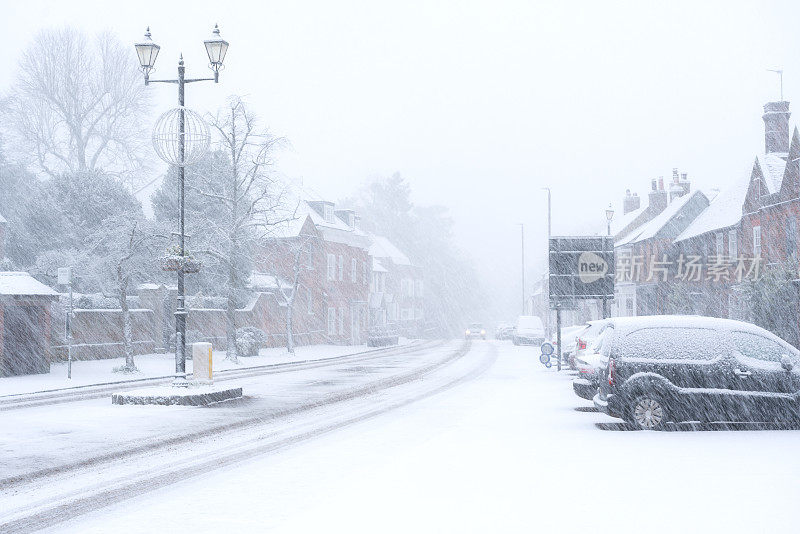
(772, 166)
(259, 280)
(377, 267)
(658, 222)
(619, 224)
(724, 210)
(2, 219)
(383, 248)
(14, 283)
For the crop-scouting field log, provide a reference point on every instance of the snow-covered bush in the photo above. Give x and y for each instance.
(249, 340)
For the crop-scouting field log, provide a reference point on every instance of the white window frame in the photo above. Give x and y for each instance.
(331, 321)
(733, 245)
(720, 244)
(327, 213)
(331, 267)
(341, 321)
(341, 267)
(364, 272)
(354, 270)
(757, 240)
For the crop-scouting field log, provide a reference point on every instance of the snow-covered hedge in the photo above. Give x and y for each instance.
(249, 340)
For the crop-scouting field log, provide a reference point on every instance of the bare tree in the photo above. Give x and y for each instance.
(298, 250)
(250, 200)
(119, 255)
(78, 105)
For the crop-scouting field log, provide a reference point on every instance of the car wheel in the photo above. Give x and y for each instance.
(647, 412)
(516, 342)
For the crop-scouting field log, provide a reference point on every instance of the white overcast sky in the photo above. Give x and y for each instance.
(478, 104)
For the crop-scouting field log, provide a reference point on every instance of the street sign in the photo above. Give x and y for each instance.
(64, 276)
(545, 359)
(547, 349)
(580, 268)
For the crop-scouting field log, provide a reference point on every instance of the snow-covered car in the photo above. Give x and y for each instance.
(529, 331)
(569, 342)
(590, 367)
(475, 330)
(584, 340)
(687, 368)
(504, 331)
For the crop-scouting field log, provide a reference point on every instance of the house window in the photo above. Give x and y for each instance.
(331, 321)
(419, 288)
(328, 213)
(364, 275)
(331, 267)
(733, 249)
(341, 267)
(791, 238)
(757, 241)
(353, 269)
(341, 321)
(720, 244)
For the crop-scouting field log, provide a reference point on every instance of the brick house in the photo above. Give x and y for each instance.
(24, 324)
(334, 280)
(396, 288)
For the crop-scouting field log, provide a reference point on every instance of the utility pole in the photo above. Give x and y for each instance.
(522, 235)
(547, 283)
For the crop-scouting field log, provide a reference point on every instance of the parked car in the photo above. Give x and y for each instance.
(568, 340)
(504, 331)
(584, 341)
(676, 368)
(590, 365)
(529, 331)
(475, 330)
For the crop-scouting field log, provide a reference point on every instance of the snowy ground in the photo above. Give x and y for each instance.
(513, 450)
(152, 365)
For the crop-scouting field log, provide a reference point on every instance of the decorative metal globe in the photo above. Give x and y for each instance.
(167, 136)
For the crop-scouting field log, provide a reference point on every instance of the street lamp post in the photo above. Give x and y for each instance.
(609, 216)
(522, 241)
(147, 51)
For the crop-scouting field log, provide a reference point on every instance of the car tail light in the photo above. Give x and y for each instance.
(611, 378)
(581, 344)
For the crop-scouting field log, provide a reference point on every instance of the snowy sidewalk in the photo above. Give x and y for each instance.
(90, 372)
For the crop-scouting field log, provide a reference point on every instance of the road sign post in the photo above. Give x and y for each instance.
(65, 278)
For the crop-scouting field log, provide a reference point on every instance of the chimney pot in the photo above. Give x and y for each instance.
(776, 127)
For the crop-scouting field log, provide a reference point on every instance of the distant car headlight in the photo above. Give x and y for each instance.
(467, 332)
(483, 332)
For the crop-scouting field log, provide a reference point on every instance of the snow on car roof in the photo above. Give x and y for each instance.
(627, 324)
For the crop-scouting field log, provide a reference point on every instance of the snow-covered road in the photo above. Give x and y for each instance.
(510, 450)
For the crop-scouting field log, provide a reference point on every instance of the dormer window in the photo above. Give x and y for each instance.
(328, 213)
(351, 219)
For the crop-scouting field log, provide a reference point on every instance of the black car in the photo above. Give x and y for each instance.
(677, 368)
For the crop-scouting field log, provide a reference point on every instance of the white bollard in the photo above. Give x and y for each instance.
(202, 363)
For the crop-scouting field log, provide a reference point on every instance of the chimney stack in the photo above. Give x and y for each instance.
(2, 237)
(630, 202)
(776, 127)
(657, 197)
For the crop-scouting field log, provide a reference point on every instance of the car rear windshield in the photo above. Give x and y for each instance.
(475, 326)
(669, 344)
(592, 331)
